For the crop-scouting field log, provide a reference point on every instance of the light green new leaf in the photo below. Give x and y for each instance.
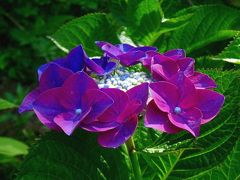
(86, 30)
(209, 23)
(58, 156)
(12, 147)
(4, 104)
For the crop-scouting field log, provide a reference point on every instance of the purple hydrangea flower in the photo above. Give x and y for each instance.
(53, 76)
(127, 55)
(117, 124)
(175, 108)
(67, 98)
(77, 60)
(78, 99)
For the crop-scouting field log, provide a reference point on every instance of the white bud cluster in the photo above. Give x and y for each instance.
(123, 79)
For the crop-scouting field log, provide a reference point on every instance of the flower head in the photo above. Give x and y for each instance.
(110, 103)
(64, 107)
(174, 108)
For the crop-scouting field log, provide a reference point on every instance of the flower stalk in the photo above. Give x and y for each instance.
(134, 158)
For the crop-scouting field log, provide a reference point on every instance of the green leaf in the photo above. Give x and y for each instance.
(57, 156)
(144, 20)
(231, 52)
(12, 147)
(86, 30)
(181, 156)
(4, 104)
(229, 169)
(209, 23)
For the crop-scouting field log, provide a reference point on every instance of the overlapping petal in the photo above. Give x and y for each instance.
(157, 119)
(53, 76)
(165, 95)
(79, 99)
(126, 54)
(115, 137)
(74, 61)
(210, 103)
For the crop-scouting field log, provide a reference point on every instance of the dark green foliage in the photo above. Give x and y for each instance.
(57, 156)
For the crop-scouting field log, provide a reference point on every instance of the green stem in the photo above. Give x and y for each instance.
(134, 159)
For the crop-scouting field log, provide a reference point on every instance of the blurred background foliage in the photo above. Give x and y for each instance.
(208, 33)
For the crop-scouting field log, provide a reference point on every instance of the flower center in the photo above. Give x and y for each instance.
(78, 111)
(177, 110)
(123, 79)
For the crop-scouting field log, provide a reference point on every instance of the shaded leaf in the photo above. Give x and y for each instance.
(57, 156)
(209, 23)
(86, 30)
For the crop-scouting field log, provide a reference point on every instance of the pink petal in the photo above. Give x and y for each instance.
(165, 95)
(139, 93)
(53, 76)
(202, 81)
(189, 119)
(110, 49)
(120, 100)
(74, 88)
(47, 106)
(175, 53)
(98, 101)
(186, 89)
(69, 121)
(160, 58)
(210, 103)
(148, 60)
(130, 58)
(119, 135)
(99, 126)
(165, 70)
(26, 104)
(157, 119)
(132, 108)
(186, 65)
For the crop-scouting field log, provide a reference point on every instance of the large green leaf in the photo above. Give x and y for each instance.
(181, 156)
(86, 30)
(4, 104)
(9, 148)
(144, 20)
(209, 23)
(57, 156)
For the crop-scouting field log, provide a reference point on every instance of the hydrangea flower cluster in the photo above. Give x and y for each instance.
(99, 95)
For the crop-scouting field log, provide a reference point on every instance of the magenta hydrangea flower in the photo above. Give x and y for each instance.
(175, 108)
(109, 104)
(126, 54)
(64, 107)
